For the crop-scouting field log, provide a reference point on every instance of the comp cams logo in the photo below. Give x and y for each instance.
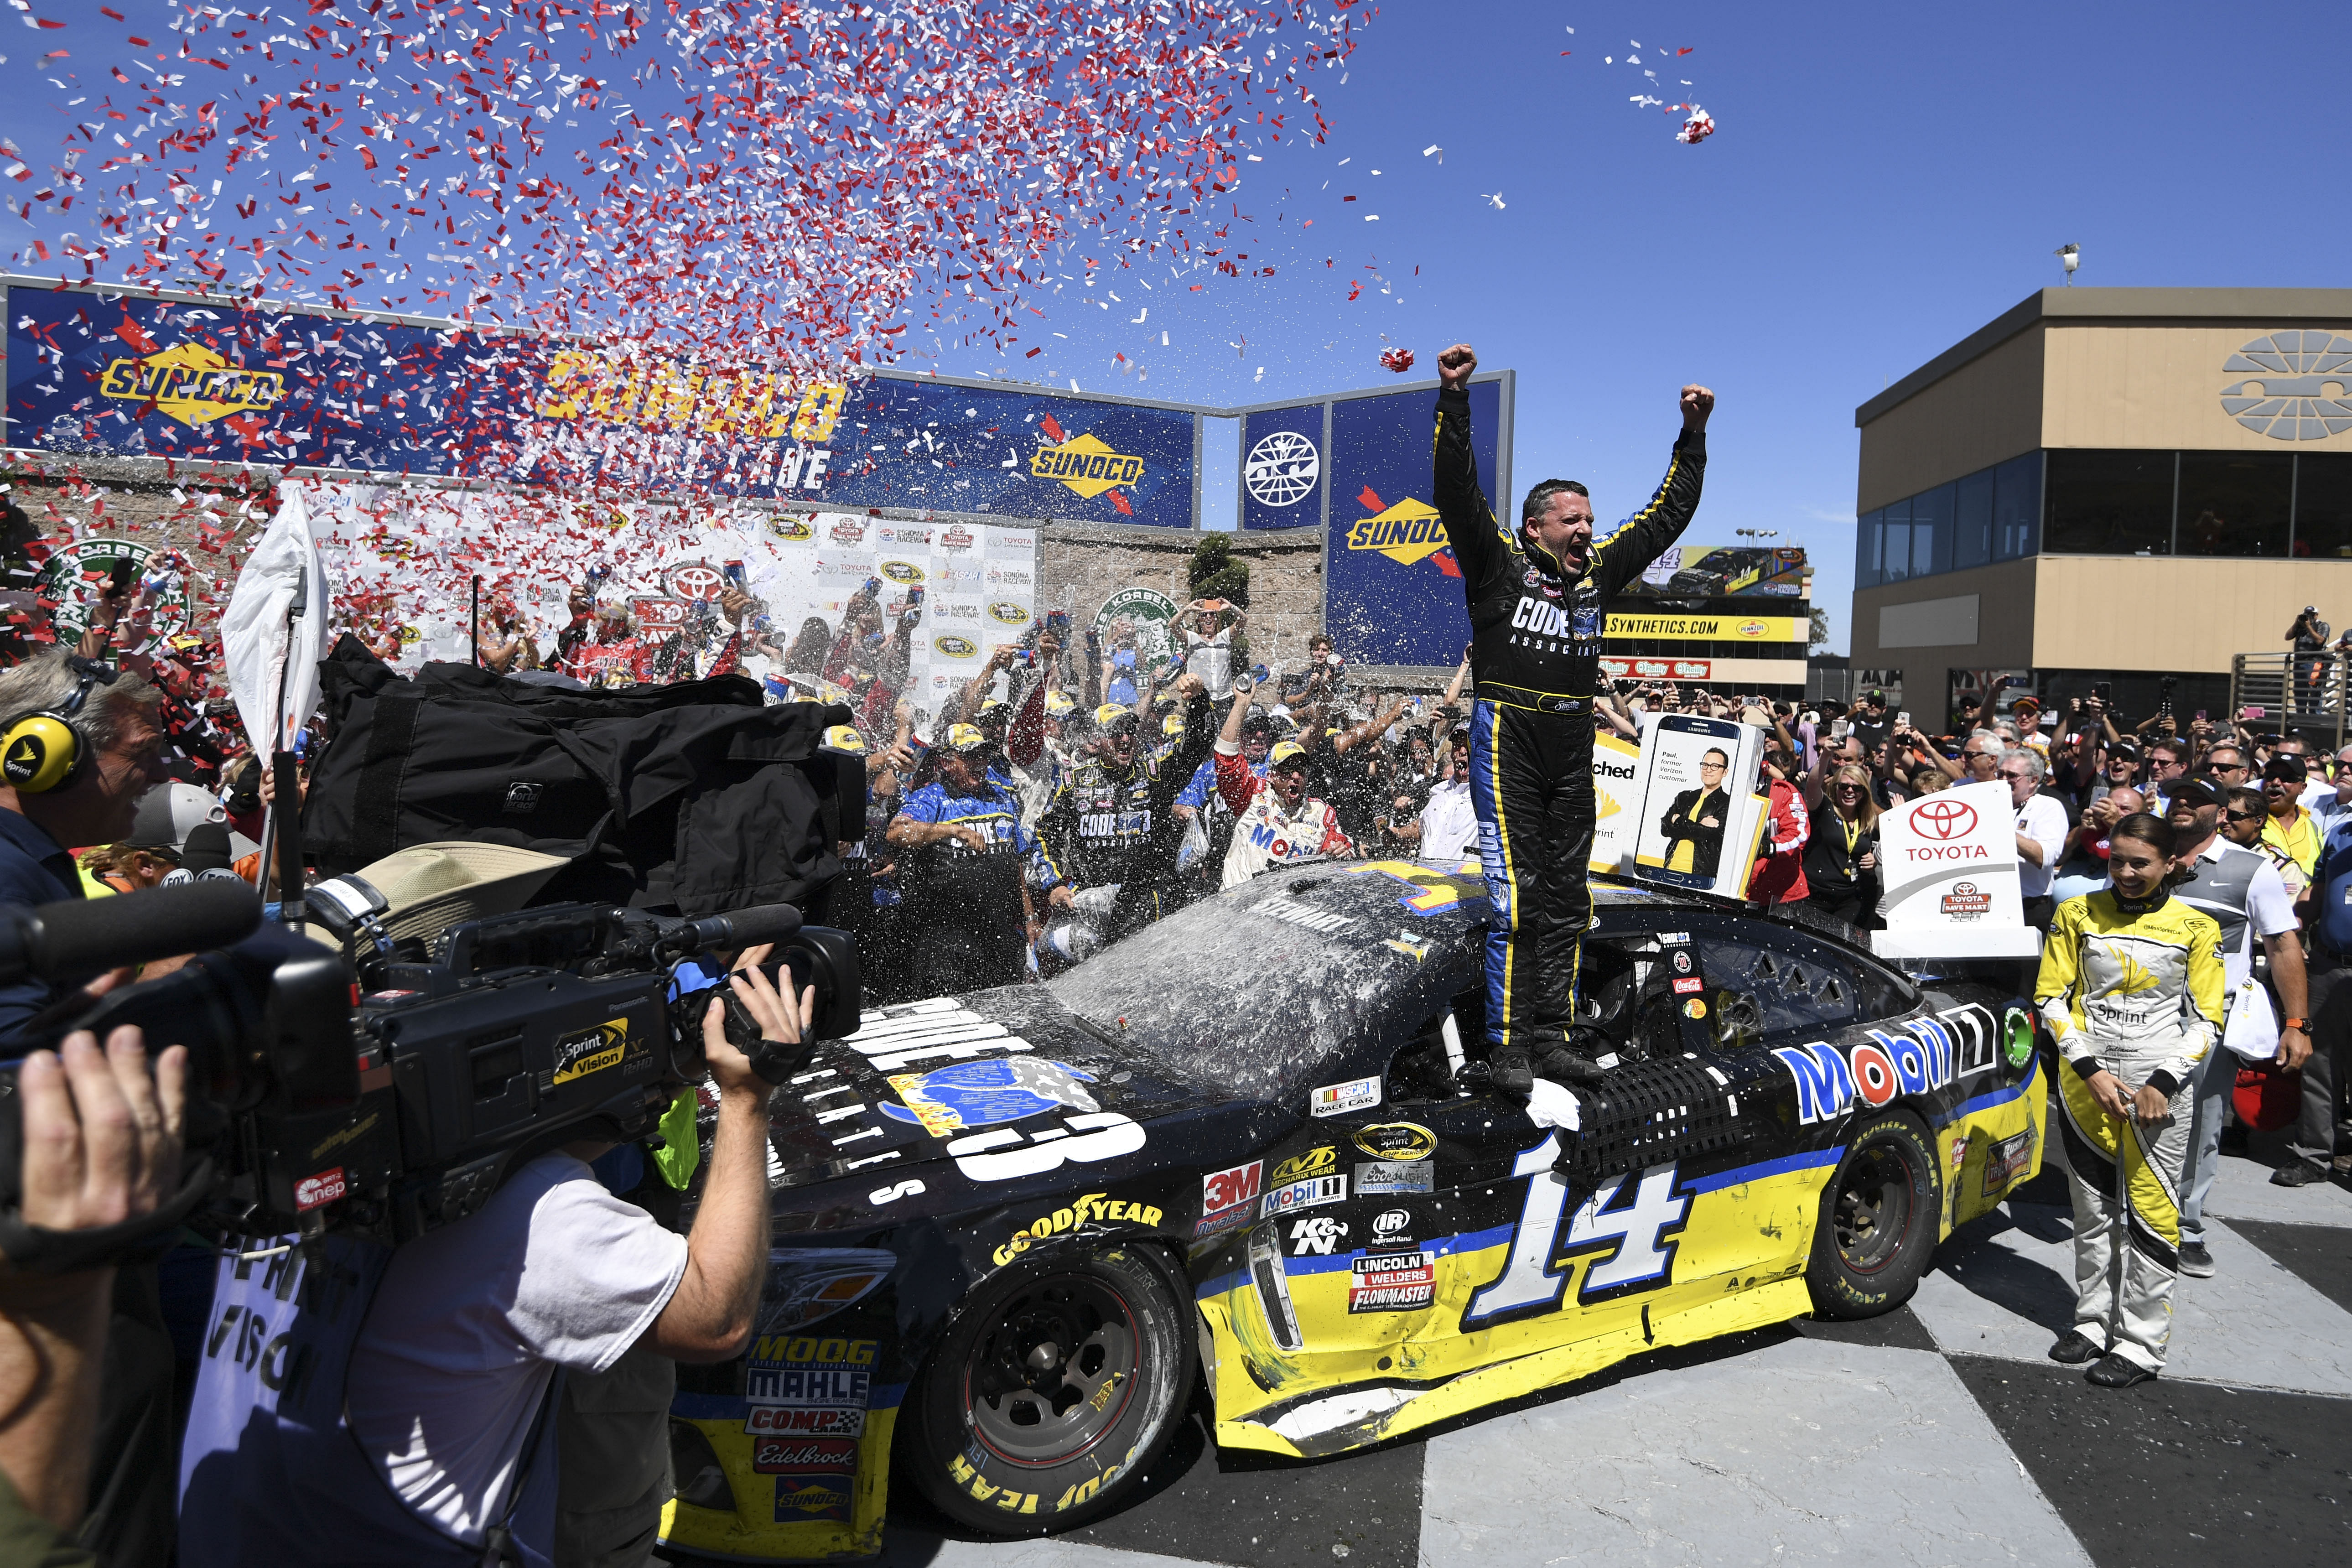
(1406, 533)
(191, 384)
(2296, 388)
(1281, 471)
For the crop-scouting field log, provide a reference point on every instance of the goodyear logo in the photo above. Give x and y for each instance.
(1406, 533)
(592, 1050)
(191, 384)
(1314, 1163)
(955, 647)
(1086, 464)
(902, 570)
(1010, 614)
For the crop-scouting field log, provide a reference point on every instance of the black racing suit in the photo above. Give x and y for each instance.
(1535, 652)
(1107, 828)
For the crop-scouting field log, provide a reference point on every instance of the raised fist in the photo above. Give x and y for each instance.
(1456, 364)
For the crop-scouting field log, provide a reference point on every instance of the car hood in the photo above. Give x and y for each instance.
(1010, 1065)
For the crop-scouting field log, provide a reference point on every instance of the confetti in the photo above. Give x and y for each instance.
(1697, 128)
(1397, 360)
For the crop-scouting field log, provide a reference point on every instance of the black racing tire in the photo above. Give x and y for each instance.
(1047, 1402)
(1879, 1218)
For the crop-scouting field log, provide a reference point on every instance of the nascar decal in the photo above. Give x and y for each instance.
(901, 572)
(1396, 1176)
(1396, 1141)
(951, 646)
(946, 1100)
(1010, 613)
(592, 1050)
(1085, 463)
(1310, 1194)
(1927, 1053)
(1392, 1282)
(1338, 1099)
(1629, 1228)
(1229, 1198)
(1090, 1208)
(191, 384)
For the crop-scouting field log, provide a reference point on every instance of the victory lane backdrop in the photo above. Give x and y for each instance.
(1392, 592)
(1285, 475)
(195, 380)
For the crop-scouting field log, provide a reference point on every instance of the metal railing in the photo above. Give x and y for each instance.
(2295, 691)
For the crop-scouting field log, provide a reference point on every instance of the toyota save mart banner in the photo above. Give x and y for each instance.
(405, 556)
(122, 375)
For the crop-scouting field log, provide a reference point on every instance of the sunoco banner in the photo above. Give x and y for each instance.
(122, 377)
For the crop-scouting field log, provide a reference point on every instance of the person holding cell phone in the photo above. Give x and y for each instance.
(1536, 594)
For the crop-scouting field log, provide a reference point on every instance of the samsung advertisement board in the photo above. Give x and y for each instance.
(102, 373)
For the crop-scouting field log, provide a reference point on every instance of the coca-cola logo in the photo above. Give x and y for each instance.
(1946, 819)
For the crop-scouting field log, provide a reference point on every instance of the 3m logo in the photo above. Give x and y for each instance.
(1406, 533)
(1946, 819)
(191, 384)
(1086, 464)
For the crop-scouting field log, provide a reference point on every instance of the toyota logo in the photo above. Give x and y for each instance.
(1946, 819)
(697, 580)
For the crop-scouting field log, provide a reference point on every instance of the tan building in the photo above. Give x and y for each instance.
(2110, 484)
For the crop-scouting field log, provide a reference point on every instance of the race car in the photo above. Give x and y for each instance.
(1015, 1227)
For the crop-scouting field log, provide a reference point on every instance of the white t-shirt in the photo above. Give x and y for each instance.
(2044, 820)
(472, 1320)
(1449, 823)
(1211, 659)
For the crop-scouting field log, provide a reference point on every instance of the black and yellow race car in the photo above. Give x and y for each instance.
(1013, 1227)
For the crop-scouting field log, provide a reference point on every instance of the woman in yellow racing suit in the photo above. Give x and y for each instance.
(2131, 989)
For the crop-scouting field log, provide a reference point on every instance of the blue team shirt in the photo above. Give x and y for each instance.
(33, 870)
(996, 812)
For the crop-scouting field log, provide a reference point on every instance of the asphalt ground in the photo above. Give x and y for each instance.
(1938, 1433)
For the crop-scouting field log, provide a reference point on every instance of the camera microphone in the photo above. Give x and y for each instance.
(741, 928)
(68, 942)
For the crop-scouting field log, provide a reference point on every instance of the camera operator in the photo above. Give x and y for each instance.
(78, 745)
(101, 1142)
(451, 1363)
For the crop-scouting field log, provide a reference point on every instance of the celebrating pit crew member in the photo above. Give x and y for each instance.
(1112, 823)
(2243, 893)
(967, 854)
(1274, 819)
(2131, 988)
(1537, 596)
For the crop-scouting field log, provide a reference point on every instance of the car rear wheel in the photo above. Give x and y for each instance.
(1880, 1215)
(1047, 1401)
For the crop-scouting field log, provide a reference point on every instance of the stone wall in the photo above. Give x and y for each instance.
(1079, 565)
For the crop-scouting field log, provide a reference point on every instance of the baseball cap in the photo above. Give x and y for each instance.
(1060, 703)
(2124, 748)
(2290, 768)
(1172, 725)
(966, 737)
(845, 738)
(1283, 753)
(1110, 713)
(168, 811)
(2198, 790)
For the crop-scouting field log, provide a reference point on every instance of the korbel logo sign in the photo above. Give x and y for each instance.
(2295, 385)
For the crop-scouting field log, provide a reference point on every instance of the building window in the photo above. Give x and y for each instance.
(1897, 531)
(2323, 505)
(1867, 544)
(2109, 503)
(1972, 522)
(2017, 507)
(1931, 530)
(2235, 503)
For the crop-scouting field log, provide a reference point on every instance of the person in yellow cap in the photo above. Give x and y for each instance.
(1112, 822)
(971, 875)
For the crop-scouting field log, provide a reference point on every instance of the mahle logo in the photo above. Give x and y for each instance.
(1406, 533)
(1086, 466)
(191, 384)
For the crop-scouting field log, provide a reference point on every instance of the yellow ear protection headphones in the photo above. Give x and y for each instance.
(43, 751)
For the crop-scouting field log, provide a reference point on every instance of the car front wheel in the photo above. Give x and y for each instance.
(1880, 1215)
(1047, 1401)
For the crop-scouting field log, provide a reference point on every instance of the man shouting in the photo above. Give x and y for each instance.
(1537, 597)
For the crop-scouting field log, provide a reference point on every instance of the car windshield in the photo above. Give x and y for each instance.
(1237, 998)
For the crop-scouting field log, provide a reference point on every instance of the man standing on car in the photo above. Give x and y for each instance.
(1536, 599)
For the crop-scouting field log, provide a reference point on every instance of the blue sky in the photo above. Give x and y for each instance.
(1885, 180)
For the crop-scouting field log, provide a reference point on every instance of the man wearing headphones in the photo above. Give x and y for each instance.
(79, 743)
